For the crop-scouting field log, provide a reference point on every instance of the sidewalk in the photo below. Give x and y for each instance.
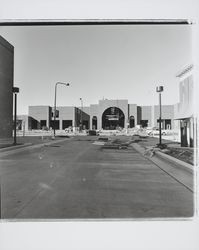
(27, 142)
(173, 149)
(180, 173)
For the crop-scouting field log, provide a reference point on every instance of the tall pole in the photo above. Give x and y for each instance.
(81, 114)
(160, 121)
(66, 84)
(54, 113)
(15, 90)
(15, 119)
(159, 89)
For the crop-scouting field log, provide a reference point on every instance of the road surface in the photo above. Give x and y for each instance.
(76, 179)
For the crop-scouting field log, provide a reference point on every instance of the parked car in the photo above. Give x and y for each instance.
(142, 133)
(156, 131)
(93, 132)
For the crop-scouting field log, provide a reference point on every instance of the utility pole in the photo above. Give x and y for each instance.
(54, 114)
(81, 127)
(160, 89)
(15, 90)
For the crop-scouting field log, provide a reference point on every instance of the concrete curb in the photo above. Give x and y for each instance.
(29, 147)
(177, 171)
(175, 160)
(164, 156)
(15, 147)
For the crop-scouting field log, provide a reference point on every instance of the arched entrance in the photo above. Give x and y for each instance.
(113, 118)
(131, 121)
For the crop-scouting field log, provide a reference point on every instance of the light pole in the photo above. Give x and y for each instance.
(81, 114)
(81, 127)
(160, 89)
(15, 90)
(62, 83)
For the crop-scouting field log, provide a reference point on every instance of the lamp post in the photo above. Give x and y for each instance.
(15, 90)
(159, 90)
(62, 83)
(81, 114)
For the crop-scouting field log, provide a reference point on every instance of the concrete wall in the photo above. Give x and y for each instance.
(85, 117)
(147, 114)
(65, 113)
(139, 115)
(94, 110)
(6, 84)
(25, 121)
(167, 113)
(150, 113)
(185, 108)
(39, 113)
(133, 112)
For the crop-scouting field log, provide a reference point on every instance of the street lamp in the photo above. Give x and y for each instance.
(81, 113)
(62, 83)
(159, 90)
(15, 90)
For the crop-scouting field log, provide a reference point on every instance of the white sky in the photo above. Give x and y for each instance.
(114, 62)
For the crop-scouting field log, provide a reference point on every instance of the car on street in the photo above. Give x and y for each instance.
(93, 132)
(156, 131)
(142, 133)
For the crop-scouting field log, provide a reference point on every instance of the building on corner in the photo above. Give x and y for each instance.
(184, 110)
(6, 85)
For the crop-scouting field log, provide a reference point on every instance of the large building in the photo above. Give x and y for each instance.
(107, 114)
(184, 110)
(6, 84)
(43, 116)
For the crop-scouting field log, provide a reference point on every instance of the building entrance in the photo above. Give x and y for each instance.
(113, 118)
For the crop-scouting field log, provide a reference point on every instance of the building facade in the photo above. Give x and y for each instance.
(6, 84)
(150, 116)
(184, 110)
(107, 114)
(43, 116)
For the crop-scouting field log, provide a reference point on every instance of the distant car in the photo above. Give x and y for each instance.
(142, 133)
(156, 131)
(93, 132)
(45, 128)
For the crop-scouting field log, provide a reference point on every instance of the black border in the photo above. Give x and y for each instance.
(46, 22)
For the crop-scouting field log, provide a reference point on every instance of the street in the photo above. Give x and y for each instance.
(77, 179)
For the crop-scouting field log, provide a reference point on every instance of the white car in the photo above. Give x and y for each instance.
(156, 131)
(142, 133)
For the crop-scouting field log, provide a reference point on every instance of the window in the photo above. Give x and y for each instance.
(85, 124)
(43, 123)
(131, 122)
(56, 124)
(67, 123)
(144, 123)
(161, 123)
(94, 122)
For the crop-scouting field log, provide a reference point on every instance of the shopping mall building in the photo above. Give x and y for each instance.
(107, 114)
(113, 114)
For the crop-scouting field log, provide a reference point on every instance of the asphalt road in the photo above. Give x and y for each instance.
(76, 179)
